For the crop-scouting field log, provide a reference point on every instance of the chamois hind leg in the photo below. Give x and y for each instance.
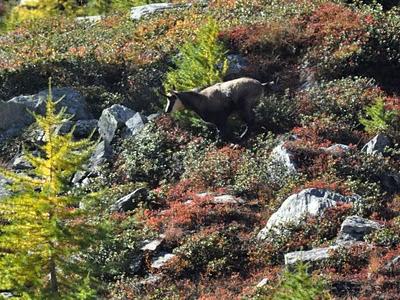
(247, 114)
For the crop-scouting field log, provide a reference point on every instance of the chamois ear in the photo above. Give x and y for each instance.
(167, 95)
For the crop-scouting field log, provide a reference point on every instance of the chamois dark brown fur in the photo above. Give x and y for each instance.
(216, 103)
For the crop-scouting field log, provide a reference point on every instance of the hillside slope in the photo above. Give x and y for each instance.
(190, 216)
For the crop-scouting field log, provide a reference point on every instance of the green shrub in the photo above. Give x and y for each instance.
(216, 253)
(385, 237)
(159, 152)
(277, 113)
(341, 100)
(200, 63)
(212, 167)
(300, 285)
(119, 250)
(256, 172)
(379, 119)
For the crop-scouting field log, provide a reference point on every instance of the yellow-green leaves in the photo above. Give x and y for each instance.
(39, 229)
(200, 63)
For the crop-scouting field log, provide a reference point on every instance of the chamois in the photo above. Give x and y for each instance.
(216, 103)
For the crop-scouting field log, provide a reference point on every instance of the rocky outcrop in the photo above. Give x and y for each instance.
(354, 228)
(308, 202)
(377, 145)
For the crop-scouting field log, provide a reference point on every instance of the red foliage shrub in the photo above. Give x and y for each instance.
(271, 37)
(216, 169)
(336, 32)
(186, 210)
(173, 132)
(393, 103)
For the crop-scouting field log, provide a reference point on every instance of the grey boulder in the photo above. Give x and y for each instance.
(15, 115)
(354, 228)
(310, 256)
(311, 202)
(71, 99)
(377, 145)
(83, 128)
(139, 12)
(130, 201)
(160, 261)
(113, 118)
(281, 156)
(135, 124)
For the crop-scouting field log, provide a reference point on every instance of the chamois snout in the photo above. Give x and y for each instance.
(173, 102)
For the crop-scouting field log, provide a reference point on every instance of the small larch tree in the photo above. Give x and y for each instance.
(379, 119)
(200, 63)
(41, 228)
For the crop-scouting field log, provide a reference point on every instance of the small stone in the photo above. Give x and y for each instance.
(281, 155)
(262, 283)
(227, 199)
(337, 149)
(152, 246)
(152, 279)
(89, 19)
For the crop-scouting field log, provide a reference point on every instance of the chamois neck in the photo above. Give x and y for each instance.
(193, 101)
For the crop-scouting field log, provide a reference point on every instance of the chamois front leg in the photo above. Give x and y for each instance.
(222, 129)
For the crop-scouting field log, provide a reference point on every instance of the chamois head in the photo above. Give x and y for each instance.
(173, 102)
